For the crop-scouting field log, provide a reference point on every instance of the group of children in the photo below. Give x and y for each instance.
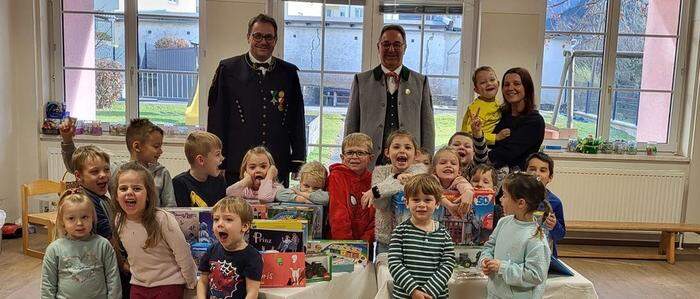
(127, 237)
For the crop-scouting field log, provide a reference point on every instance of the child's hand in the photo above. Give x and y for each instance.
(418, 294)
(67, 131)
(247, 179)
(271, 173)
(404, 177)
(367, 199)
(475, 123)
(301, 197)
(503, 134)
(551, 221)
(491, 266)
(484, 268)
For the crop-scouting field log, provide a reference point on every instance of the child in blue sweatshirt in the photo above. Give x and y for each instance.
(541, 165)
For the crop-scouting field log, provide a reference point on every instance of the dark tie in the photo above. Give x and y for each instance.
(395, 76)
(264, 65)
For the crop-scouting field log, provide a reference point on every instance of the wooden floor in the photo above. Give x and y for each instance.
(20, 276)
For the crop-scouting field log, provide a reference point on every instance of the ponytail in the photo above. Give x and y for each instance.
(547, 211)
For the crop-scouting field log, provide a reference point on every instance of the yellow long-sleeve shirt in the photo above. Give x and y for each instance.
(489, 114)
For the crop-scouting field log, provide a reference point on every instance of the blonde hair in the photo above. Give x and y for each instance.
(424, 183)
(200, 143)
(357, 139)
(74, 196)
(314, 170)
(449, 151)
(235, 205)
(87, 152)
(148, 219)
(484, 68)
(258, 150)
(401, 133)
(138, 130)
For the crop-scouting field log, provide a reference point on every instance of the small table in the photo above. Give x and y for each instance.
(361, 283)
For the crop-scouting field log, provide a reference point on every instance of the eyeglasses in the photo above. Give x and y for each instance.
(358, 154)
(388, 45)
(267, 37)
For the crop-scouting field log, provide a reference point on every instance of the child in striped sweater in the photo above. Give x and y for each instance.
(421, 252)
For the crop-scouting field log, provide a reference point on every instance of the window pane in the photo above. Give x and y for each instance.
(95, 95)
(170, 7)
(89, 38)
(311, 89)
(412, 25)
(576, 16)
(168, 63)
(641, 116)
(313, 153)
(585, 53)
(442, 44)
(333, 156)
(645, 62)
(336, 94)
(444, 91)
(95, 5)
(584, 115)
(343, 42)
(302, 34)
(650, 16)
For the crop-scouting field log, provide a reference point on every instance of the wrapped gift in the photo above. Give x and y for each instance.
(283, 269)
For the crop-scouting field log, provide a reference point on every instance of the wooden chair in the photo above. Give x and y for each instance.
(38, 187)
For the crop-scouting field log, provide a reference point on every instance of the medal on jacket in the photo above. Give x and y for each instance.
(278, 99)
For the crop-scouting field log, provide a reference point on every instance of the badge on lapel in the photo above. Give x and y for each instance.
(281, 100)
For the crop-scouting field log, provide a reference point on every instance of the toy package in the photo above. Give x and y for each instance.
(346, 253)
(477, 225)
(206, 226)
(188, 220)
(285, 211)
(466, 262)
(302, 211)
(259, 210)
(283, 269)
(198, 250)
(319, 267)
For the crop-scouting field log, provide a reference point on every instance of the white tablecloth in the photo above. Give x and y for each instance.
(361, 283)
(564, 287)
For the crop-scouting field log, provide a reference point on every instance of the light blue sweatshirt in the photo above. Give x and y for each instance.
(524, 260)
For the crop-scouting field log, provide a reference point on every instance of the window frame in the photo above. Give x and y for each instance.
(130, 70)
(607, 84)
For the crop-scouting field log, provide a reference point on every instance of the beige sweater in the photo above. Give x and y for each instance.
(169, 262)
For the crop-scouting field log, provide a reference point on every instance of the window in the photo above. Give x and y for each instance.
(110, 69)
(611, 68)
(325, 42)
(433, 45)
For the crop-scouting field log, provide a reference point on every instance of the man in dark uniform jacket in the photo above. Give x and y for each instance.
(255, 99)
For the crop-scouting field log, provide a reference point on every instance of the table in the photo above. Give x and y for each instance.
(361, 283)
(557, 286)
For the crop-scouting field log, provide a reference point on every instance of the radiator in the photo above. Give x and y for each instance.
(620, 194)
(173, 162)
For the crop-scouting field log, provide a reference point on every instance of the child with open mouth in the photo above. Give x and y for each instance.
(258, 181)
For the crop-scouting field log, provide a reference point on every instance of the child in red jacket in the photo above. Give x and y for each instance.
(346, 183)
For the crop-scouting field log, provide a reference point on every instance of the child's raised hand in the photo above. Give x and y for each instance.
(67, 130)
(367, 199)
(551, 221)
(475, 123)
(272, 173)
(503, 134)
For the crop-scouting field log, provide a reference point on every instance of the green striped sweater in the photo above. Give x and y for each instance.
(420, 260)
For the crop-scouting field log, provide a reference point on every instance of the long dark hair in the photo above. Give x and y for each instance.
(528, 186)
(529, 99)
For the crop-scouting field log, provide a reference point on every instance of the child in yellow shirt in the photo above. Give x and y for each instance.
(485, 105)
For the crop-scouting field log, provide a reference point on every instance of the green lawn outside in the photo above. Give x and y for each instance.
(587, 128)
(161, 113)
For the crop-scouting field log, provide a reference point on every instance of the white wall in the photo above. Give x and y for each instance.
(8, 183)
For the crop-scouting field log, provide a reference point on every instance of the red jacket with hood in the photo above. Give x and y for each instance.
(348, 219)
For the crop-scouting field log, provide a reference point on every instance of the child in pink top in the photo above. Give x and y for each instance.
(458, 191)
(258, 177)
(159, 258)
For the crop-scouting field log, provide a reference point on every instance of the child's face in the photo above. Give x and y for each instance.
(257, 167)
(482, 180)
(212, 162)
(151, 149)
(401, 153)
(94, 175)
(78, 219)
(486, 84)
(422, 158)
(512, 206)
(421, 206)
(540, 169)
(464, 147)
(132, 194)
(356, 158)
(310, 184)
(229, 229)
(447, 166)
